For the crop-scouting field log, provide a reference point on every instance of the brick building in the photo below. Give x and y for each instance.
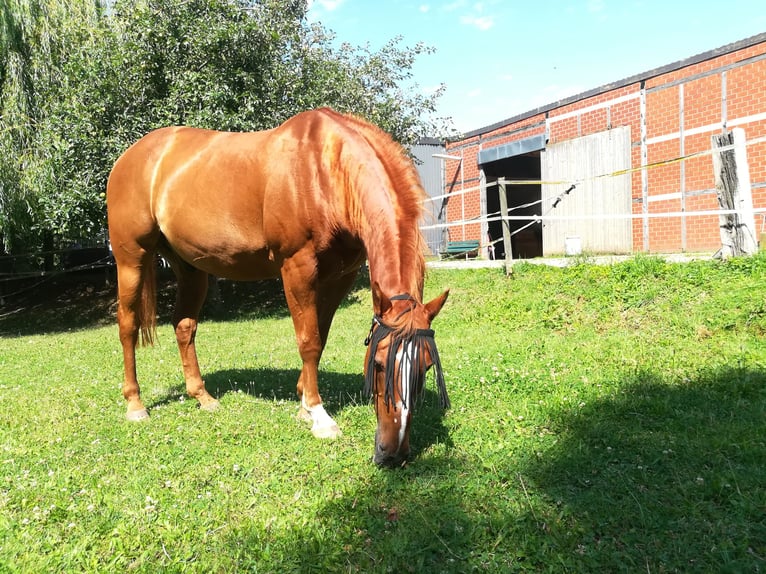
(648, 120)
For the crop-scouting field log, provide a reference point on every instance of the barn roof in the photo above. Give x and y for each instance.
(732, 47)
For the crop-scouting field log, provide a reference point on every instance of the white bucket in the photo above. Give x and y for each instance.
(573, 245)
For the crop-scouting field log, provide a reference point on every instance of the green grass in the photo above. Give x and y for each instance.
(605, 419)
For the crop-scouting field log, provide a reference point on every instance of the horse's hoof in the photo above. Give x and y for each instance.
(326, 432)
(304, 415)
(210, 406)
(139, 415)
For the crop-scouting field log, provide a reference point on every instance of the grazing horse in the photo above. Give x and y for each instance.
(308, 201)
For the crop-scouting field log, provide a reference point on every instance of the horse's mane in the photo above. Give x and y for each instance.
(398, 164)
(408, 195)
(405, 183)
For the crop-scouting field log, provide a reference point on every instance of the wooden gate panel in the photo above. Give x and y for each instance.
(585, 160)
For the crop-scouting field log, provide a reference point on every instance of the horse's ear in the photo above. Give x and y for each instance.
(380, 303)
(435, 305)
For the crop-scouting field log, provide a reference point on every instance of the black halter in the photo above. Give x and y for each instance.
(421, 340)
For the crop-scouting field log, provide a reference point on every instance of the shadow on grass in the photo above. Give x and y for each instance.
(338, 390)
(662, 477)
(405, 520)
(59, 305)
(659, 478)
(392, 511)
(70, 303)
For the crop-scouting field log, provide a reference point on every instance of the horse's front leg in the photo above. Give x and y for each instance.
(312, 410)
(301, 295)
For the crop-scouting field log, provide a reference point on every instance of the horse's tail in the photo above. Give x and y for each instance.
(147, 312)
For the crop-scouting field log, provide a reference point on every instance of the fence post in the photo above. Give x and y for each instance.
(732, 184)
(506, 227)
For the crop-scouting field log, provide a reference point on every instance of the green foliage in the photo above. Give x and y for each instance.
(79, 85)
(30, 50)
(591, 431)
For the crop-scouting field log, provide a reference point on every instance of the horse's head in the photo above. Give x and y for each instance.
(400, 350)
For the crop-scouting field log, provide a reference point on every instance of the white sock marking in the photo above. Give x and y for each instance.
(319, 416)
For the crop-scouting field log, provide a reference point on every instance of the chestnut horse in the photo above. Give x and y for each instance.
(307, 201)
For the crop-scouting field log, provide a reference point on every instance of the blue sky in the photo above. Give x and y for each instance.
(499, 58)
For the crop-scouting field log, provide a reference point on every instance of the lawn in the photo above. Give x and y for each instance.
(604, 419)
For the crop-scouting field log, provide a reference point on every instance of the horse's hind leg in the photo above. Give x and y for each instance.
(192, 289)
(130, 285)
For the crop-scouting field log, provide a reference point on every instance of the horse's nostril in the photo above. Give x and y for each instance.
(381, 448)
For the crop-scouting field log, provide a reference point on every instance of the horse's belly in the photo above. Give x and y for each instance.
(241, 267)
(224, 253)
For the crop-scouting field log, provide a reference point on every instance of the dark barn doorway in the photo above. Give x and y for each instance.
(528, 242)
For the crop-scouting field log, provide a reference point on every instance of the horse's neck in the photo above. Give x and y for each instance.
(395, 263)
(391, 237)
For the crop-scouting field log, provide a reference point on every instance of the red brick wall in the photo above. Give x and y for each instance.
(695, 100)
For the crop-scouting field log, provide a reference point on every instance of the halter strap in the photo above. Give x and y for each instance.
(368, 338)
(378, 320)
(402, 297)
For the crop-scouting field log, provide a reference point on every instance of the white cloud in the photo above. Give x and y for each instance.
(473, 14)
(424, 8)
(474, 93)
(454, 5)
(481, 22)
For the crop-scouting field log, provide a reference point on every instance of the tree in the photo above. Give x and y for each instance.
(16, 111)
(36, 37)
(80, 83)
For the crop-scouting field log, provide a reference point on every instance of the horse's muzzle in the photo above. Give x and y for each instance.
(383, 458)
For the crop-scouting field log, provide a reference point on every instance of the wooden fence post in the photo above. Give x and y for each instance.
(732, 184)
(506, 227)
